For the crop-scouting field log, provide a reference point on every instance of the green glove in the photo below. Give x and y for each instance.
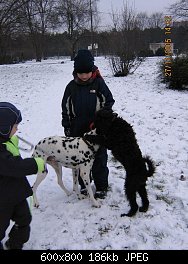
(12, 146)
(15, 140)
(40, 164)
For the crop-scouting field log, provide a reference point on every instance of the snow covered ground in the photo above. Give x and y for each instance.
(159, 117)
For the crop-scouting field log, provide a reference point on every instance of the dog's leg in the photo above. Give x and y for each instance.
(40, 177)
(75, 174)
(130, 191)
(144, 197)
(58, 169)
(84, 174)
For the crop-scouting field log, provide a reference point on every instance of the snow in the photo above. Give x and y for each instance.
(159, 118)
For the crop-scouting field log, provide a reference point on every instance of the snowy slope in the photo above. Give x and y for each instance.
(159, 117)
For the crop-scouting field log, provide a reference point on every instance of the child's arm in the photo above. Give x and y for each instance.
(15, 166)
(12, 164)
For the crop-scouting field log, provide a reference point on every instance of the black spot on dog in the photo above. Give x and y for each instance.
(73, 158)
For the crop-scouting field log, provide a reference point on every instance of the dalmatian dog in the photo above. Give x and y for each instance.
(71, 152)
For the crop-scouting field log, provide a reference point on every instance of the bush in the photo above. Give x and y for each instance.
(146, 53)
(123, 65)
(160, 52)
(175, 74)
(5, 59)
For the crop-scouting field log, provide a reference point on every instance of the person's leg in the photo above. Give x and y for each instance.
(1, 245)
(20, 232)
(100, 171)
(5, 216)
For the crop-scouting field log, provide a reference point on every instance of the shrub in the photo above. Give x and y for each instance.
(5, 59)
(175, 74)
(146, 53)
(160, 52)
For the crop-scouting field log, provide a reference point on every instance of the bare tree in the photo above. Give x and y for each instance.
(76, 16)
(179, 9)
(156, 20)
(124, 59)
(142, 20)
(9, 24)
(43, 17)
(115, 17)
(36, 19)
(128, 17)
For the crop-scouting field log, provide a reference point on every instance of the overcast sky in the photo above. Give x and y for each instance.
(149, 6)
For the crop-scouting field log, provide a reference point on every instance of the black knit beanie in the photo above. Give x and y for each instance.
(83, 62)
(9, 116)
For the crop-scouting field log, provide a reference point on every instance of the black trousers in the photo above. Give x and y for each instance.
(20, 232)
(100, 170)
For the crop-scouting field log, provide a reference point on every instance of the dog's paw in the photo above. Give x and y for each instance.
(143, 209)
(130, 213)
(96, 205)
(81, 196)
(68, 193)
(36, 205)
(35, 202)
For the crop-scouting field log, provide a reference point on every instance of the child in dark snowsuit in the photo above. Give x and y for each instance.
(83, 96)
(14, 186)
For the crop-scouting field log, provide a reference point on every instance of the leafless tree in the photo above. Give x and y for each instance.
(9, 23)
(115, 17)
(36, 19)
(142, 20)
(156, 20)
(179, 9)
(123, 59)
(75, 17)
(128, 17)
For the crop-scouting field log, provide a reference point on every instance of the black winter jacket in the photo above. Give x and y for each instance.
(80, 102)
(14, 186)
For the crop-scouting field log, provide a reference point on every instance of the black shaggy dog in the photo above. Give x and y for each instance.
(118, 136)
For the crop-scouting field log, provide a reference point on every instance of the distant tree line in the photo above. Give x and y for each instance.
(45, 28)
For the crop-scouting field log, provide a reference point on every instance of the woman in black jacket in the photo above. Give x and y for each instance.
(14, 186)
(83, 96)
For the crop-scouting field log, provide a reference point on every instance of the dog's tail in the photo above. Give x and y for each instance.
(150, 166)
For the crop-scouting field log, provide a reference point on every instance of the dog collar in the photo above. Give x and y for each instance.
(90, 146)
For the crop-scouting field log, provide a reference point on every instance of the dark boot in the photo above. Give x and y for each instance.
(9, 246)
